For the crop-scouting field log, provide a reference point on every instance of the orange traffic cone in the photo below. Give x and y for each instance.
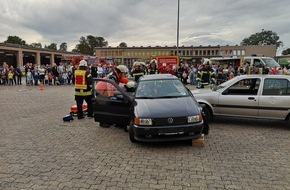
(41, 87)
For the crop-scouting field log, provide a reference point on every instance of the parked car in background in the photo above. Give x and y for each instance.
(161, 109)
(250, 96)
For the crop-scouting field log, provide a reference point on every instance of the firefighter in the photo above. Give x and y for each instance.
(83, 89)
(205, 76)
(137, 71)
(118, 75)
(152, 68)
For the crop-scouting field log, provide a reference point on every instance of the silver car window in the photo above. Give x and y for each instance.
(244, 87)
(276, 87)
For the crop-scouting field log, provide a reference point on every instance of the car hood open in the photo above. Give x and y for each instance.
(166, 107)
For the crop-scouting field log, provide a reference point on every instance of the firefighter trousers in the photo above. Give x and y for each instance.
(80, 101)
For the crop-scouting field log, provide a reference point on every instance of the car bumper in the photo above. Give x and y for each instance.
(167, 133)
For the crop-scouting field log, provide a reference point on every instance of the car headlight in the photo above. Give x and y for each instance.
(194, 118)
(142, 121)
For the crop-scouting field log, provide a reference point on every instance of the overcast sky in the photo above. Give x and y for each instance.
(144, 22)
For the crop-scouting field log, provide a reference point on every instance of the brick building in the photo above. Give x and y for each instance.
(127, 55)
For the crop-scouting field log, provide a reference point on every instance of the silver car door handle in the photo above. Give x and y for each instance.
(251, 98)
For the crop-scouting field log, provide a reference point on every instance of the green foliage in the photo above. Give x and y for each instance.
(265, 37)
(286, 51)
(52, 46)
(87, 45)
(63, 46)
(122, 44)
(15, 40)
(36, 45)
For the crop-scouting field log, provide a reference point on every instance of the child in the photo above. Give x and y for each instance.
(29, 77)
(10, 77)
(50, 77)
(46, 78)
(65, 77)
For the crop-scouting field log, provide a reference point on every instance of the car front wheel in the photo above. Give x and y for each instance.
(206, 111)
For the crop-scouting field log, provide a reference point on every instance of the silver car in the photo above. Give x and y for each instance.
(251, 96)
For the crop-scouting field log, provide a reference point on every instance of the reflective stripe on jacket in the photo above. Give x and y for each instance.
(83, 92)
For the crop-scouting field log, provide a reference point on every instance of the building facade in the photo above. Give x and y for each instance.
(19, 55)
(127, 55)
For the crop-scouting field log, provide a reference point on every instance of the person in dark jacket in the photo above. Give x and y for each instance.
(83, 89)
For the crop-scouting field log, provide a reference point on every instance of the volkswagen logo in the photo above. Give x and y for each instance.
(170, 120)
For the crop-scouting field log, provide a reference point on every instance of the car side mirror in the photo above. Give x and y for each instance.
(214, 87)
(226, 92)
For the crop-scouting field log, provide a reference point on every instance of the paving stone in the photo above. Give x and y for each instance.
(40, 151)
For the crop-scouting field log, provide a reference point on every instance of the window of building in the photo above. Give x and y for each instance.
(243, 52)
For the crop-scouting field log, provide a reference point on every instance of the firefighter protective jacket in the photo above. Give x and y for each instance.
(83, 83)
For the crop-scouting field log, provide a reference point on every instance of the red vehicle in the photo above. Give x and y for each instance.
(167, 64)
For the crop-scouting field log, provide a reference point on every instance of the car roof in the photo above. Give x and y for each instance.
(264, 76)
(157, 77)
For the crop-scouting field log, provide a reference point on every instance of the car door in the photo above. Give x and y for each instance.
(240, 99)
(275, 99)
(111, 103)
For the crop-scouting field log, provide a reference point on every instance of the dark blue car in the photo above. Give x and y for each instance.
(160, 109)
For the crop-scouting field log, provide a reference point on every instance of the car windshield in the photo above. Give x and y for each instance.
(163, 88)
(271, 63)
(222, 85)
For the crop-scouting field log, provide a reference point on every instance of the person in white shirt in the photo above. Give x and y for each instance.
(41, 73)
(100, 71)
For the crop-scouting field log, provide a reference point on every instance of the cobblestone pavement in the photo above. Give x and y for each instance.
(40, 151)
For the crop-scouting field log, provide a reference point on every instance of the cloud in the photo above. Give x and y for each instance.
(143, 22)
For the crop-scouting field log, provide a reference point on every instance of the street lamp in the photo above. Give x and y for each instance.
(177, 45)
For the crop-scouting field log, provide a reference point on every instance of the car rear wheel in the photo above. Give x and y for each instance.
(288, 120)
(131, 133)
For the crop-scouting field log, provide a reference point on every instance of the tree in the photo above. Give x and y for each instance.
(36, 45)
(122, 44)
(265, 37)
(286, 51)
(52, 46)
(63, 46)
(87, 45)
(15, 40)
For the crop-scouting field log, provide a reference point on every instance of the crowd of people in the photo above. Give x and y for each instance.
(218, 73)
(188, 73)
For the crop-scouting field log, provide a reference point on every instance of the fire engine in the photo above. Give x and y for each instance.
(167, 64)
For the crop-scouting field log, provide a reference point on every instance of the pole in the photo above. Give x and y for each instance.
(177, 45)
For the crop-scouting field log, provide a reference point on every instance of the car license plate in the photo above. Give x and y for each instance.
(177, 133)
